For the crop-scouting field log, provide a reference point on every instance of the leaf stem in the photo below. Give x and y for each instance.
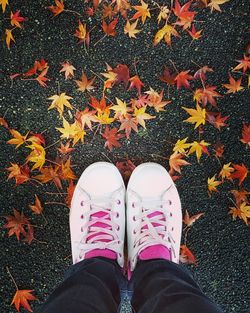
(12, 278)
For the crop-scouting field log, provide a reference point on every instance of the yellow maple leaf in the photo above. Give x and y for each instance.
(242, 212)
(165, 32)
(155, 100)
(120, 109)
(181, 146)
(198, 148)
(140, 116)
(103, 117)
(9, 37)
(215, 4)
(37, 155)
(110, 79)
(142, 11)
(4, 3)
(79, 133)
(197, 117)
(17, 139)
(131, 30)
(68, 130)
(226, 171)
(59, 101)
(212, 184)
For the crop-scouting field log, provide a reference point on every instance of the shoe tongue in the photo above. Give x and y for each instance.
(106, 253)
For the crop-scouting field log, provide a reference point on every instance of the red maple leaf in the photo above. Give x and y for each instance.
(182, 79)
(123, 75)
(109, 29)
(135, 82)
(246, 134)
(168, 77)
(112, 137)
(240, 173)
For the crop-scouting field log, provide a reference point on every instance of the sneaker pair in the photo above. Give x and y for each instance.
(153, 217)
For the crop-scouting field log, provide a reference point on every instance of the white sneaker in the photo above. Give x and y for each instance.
(154, 215)
(97, 214)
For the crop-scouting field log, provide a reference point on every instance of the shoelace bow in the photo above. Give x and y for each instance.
(154, 226)
(101, 232)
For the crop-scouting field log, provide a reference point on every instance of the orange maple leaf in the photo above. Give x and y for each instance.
(240, 173)
(142, 11)
(65, 149)
(20, 173)
(244, 64)
(234, 85)
(186, 256)
(37, 207)
(58, 8)
(176, 161)
(84, 84)
(185, 16)
(82, 34)
(205, 95)
(48, 174)
(128, 124)
(21, 298)
(16, 19)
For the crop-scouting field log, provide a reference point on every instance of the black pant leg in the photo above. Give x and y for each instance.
(90, 286)
(163, 286)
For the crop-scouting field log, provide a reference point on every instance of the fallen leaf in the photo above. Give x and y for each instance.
(242, 212)
(186, 256)
(16, 223)
(131, 30)
(48, 174)
(182, 79)
(195, 34)
(128, 124)
(59, 102)
(112, 138)
(4, 3)
(37, 155)
(142, 11)
(58, 8)
(190, 220)
(21, 298)
(16, 19)
(215, 4)
(181, 146)
(226, 171)
(68, 70)
(109, 29)
(240, 173)
(17, 139)
(165, 32)
(245, 134)
(198, 148)
(37, 207)
(198, 116)
(82, 34)
(65, 149)
(168, 77)
(9, 37)
(20, 173)
(244, 64)
(234, 85)
(140, 116)
(212, 184)
(84, 84)
(176, 161)
(135, 82)
(126, 168)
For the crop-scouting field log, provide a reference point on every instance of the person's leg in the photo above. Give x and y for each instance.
(97, 229)
(90, 286)
(154, 226)
(163, 286)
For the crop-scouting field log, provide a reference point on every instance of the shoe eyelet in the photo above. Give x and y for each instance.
(134, 218)
(169, 202)
(134, 232)
(81, 229)
(82, 216)
(172, 228)
(120, 255)
(117, 214)
(82, 203)
(133, 205)
(118, 228)
(169, 239)
(171, 214)
(118, 201)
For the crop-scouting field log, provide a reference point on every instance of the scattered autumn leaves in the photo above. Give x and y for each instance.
(115, 119)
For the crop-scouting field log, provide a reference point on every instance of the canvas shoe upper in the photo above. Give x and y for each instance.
(97, 214)
(154, 215)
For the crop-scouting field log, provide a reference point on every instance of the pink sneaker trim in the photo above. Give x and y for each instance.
(106, 253)
(155, 252)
